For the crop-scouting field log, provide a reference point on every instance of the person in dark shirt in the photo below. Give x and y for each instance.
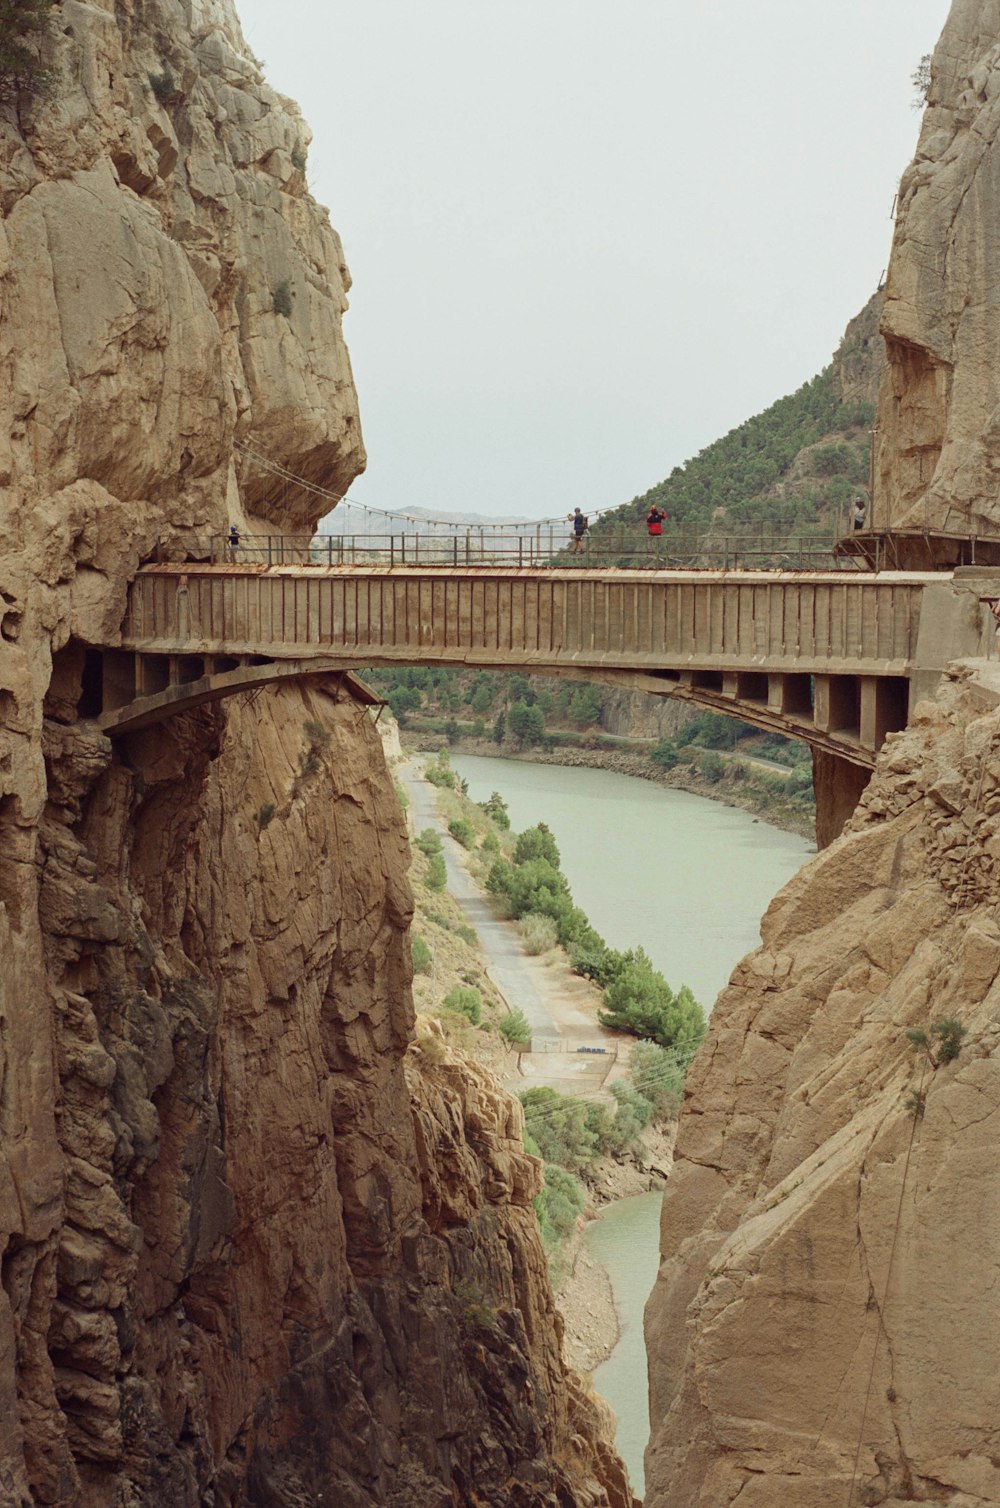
(580, 526)
(655, 519)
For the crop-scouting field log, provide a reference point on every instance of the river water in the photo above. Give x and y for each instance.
(687, 878)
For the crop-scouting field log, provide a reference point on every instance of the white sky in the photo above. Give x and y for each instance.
(588, 239)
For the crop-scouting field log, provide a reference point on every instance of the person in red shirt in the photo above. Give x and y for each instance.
(655, 519)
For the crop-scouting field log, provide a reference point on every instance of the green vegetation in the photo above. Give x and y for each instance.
(941, 1042)
(421, 953)
(298, 159)
(163, 85)
(569, 1135)
(638, 999)
(740, 472)
(515, 1029)
(920, 78)
(463, 832)
(464, 1000)
(265, 814)
(538, 933)
(437, 874)
(281, 298)
(429, 841)
(496, 810)
(24, 27)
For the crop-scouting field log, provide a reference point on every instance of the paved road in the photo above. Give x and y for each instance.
(559, 1006)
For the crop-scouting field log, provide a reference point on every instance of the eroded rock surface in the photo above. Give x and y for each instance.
(937, 438)
(256, 1247)
(827, 1307)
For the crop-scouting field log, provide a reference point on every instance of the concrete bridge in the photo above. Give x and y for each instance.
(835, 658)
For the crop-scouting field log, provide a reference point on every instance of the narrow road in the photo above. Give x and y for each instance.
(560, 1007)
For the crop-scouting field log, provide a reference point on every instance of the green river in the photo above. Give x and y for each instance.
(687, 878)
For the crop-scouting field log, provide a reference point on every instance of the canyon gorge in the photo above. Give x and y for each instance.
(258, 1244)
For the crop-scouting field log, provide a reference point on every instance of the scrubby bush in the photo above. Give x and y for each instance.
(463, 832)
(538, 933)
(281, 298)
(711, 766)
(496, 808)
(465, 1000)
(429, 841)
(437, 874)
(559, 1205)
(440, 775)
(559, 1127)
(658, 1076)
(515, 1029)
(639, 1000)
(536, 843)
(664, 754)
(421, 953)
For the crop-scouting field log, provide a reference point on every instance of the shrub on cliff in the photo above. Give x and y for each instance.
(437, 875)
(421, 953)
(24, 25)
(658, 1076)
(429, 841)
(559, 1205)
(560, 1127)
(465, 1000)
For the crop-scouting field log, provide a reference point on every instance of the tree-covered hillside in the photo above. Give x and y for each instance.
(793, 467)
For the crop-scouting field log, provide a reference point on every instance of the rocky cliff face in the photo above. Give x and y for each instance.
(937, 442)
(254, 1247)
(822, 1327)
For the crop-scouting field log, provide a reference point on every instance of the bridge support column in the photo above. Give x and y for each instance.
(839, 786)
(883, 709)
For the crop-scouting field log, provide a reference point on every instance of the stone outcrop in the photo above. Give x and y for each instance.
(825, 1308)
(255, 1245)
(937, 443)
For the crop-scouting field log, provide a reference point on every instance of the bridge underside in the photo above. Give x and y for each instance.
(845, 716)
(136, 691)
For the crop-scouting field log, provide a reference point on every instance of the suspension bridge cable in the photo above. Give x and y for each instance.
(283, 473)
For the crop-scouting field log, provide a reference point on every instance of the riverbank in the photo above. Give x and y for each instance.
(733, 787)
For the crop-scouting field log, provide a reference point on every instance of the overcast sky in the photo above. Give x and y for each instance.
(588, 239)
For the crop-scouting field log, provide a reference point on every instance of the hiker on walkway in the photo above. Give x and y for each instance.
(580, 526)
(233, 541)
(860, 512)
(655, 519)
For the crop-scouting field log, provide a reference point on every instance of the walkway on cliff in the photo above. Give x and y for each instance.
(560, 1007)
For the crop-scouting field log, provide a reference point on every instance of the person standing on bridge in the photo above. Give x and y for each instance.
(580, 526)
(655, 519)
(233, 540)
(860, 513)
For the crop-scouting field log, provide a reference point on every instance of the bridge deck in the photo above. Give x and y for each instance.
(542, 619)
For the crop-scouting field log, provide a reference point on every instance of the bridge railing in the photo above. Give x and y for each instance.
(548, 546)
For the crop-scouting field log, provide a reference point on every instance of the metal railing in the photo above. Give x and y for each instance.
(544, 546)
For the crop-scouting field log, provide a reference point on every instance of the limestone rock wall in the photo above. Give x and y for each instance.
(824, 1317)
(255, 1247)
(937, 442)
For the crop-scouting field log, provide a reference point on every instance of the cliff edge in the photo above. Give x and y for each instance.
(257, 1247)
